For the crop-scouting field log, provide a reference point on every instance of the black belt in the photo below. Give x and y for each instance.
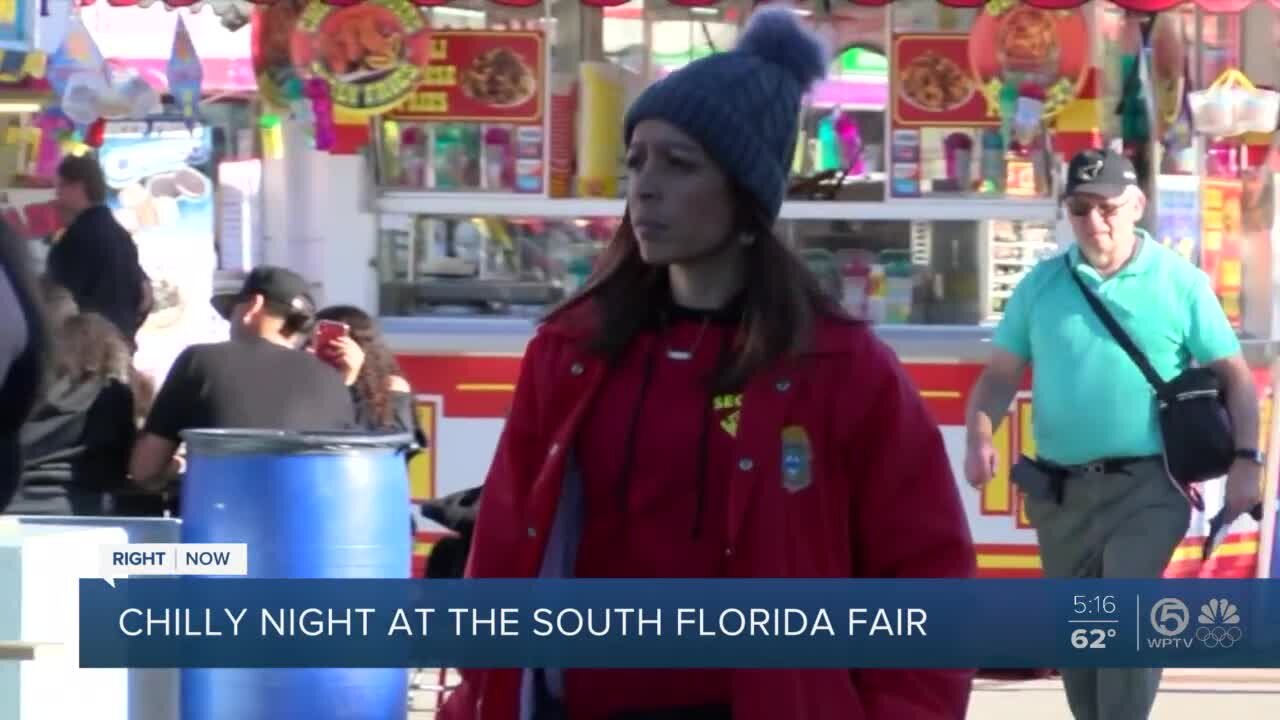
(1105, 466)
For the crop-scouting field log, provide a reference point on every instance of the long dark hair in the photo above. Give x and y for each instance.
(782, 300)
(379, 362)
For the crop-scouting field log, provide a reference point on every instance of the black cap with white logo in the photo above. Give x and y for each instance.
(1100, 172)
(283, 288)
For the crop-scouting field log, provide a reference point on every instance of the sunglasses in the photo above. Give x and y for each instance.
(1081, 207)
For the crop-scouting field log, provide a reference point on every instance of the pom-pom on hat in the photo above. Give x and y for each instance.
(743, 105)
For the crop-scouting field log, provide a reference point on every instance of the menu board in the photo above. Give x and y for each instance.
(968, 79)
(932, 84)
(1220, 235)
(480, 76)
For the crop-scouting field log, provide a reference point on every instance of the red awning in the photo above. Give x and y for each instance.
(1219, 6)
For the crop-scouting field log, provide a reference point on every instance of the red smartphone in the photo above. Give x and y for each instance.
(326, 332)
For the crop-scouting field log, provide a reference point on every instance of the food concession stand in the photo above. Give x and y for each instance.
(471, 170)
(904, 174)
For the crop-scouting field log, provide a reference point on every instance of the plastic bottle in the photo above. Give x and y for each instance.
(898, 290)
(857, 278)
(577, 271)
(876, 294)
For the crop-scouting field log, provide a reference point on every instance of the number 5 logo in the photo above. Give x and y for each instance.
(1170, 617)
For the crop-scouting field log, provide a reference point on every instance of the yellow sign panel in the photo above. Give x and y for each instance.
(422, 468)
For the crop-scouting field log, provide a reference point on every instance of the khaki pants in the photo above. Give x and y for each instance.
(1118, 525)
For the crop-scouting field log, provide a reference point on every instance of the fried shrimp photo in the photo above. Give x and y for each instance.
(365, 43)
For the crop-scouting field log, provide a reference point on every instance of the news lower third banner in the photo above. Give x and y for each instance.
(238, 622)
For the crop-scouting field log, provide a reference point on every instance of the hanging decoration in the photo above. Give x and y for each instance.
(234, 14)
(17, 65)
(53, 126)
(272, 136)
(124, 95)
(1028, 114)
(1232, 106)
(317, 90)
(1012, 44)
(78, 54)
(1145, 6)
(79, 100)
(96, 133)
(272, 27)
(1168, 53)
(185, 75)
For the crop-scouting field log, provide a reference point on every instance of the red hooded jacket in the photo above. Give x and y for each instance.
(882, 503)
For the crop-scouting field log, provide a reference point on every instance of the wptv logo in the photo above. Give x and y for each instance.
(1218, 625)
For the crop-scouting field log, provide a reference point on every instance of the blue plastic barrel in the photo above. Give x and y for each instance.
(309, 505)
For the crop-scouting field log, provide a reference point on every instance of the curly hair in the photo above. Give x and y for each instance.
(379, 362)
(89, 346)
(59, 304)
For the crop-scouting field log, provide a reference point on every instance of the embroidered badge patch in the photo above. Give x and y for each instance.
(728, 410)
(797, 457)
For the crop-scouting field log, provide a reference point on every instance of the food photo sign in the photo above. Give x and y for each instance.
(372, 54)
(480, 76)
(963, 80)
(933, 86)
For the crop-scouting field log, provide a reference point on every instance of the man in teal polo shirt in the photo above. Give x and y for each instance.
(1116, 513)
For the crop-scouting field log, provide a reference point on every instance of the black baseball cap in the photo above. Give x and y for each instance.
(283, 288)
(1100, 172)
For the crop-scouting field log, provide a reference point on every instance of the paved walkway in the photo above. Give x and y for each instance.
(1184, 695)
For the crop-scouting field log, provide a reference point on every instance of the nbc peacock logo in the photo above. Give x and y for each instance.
(1219, 621)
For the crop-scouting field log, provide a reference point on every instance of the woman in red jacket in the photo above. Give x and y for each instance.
(702, 410)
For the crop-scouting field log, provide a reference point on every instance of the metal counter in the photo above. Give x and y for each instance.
(912, 343)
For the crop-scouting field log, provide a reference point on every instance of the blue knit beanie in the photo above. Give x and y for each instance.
(743, 105)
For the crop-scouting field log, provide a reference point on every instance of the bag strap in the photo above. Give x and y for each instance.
(1116, 331)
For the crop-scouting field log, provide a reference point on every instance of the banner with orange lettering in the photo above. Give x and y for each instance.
(480, 76)
(1221, 233)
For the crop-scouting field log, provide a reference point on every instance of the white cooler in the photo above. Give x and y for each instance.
(152, 693)
(40, 570)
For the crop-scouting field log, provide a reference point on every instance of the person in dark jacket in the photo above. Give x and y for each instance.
(77, 441)
(96, 259)
(457, 513)
(23, 354)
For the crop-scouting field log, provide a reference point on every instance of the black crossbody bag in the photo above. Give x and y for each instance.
(1195, 426)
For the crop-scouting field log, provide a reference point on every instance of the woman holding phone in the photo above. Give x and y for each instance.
(702, 410)
(349, 339)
